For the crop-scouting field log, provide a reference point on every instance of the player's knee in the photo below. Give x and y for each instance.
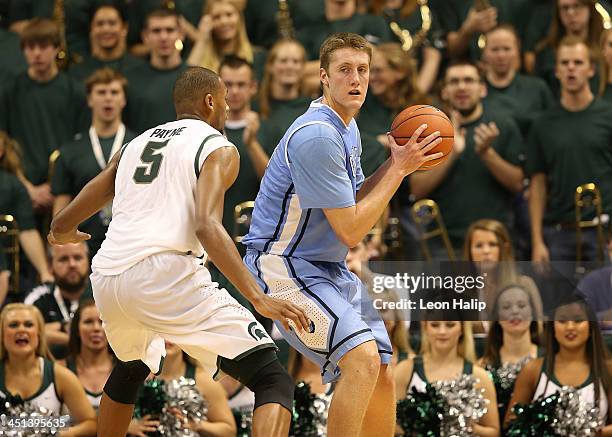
(263, 374)
(125, 380)
(363, 360)
(273, 385)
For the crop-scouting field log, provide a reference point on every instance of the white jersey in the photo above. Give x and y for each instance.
(154, 203)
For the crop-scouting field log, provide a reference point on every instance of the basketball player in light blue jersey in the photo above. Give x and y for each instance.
(312, 206)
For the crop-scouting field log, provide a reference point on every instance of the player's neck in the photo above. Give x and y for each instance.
(501, 80)
(345, 114)
(110, 54)
(106, 129)
(577, 101)
(280, 91)
(472, 116)
(335, 12)
(44, 75)
(166, 62)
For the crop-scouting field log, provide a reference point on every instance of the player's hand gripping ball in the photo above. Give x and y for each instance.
(407, 121)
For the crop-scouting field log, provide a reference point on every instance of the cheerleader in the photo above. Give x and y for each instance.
(28, 374)
(488, 247)
(89, 355)
(575, 357)
(447, 353)
(512, 340)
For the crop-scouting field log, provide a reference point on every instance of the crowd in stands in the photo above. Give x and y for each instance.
(527, 85)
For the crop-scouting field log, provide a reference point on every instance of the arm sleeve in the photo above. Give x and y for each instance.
(318, 168)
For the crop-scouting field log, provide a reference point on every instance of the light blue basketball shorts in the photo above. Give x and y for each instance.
(334, 299)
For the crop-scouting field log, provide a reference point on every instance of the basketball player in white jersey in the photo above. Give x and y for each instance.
(167, 186)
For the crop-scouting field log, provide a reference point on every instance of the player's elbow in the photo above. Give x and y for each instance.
(349, 239)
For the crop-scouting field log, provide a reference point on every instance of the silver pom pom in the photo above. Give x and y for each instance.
(466, 404)
(321, 406)
(575, 418)
(182, 395)
(24, 420)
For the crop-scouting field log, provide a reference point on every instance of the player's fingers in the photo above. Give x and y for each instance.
(302, 318)
(294, 315)
(392, 142)
(433, 156)
(417, 133)
(82, 236)
(428, 139)
(431, 145)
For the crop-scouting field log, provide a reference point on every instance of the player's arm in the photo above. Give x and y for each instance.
(352, 223)
(92, 198)
(537, 205)
(217, 175)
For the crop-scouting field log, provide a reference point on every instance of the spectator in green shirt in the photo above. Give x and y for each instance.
(149, 96)
(280, 99)
(107, 36)
(605, 85)
(577, 18)
(14, 200)
(482, 174)
(241, 128)
(88, 153)
(41, 108)
(521, 96)
(569, 145)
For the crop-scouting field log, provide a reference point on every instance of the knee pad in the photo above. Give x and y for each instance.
(263, 374)
(125, 380)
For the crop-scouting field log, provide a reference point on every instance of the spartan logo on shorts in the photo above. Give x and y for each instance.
(256, 332)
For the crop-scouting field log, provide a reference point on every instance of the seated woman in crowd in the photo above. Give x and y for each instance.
(14, 200)
(417, 35)
(222, 32)
(513, 339)
(582, 20)
(90, 357)
(281, 99)
(488, 247)
(28, 372)
(605, 84)
(219, 420)
(575, 357)
(447, 353)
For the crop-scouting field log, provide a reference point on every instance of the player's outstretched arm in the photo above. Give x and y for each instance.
(92, 198)
(218, 173)
(351, 224)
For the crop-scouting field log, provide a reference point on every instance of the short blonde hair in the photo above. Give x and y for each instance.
(42, 350)
(342, 40)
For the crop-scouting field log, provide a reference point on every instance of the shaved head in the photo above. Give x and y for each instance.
(192, 86)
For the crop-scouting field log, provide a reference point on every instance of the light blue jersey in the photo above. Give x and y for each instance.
(316, 165)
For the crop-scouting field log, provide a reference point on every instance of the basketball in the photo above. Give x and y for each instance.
(407, 121)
